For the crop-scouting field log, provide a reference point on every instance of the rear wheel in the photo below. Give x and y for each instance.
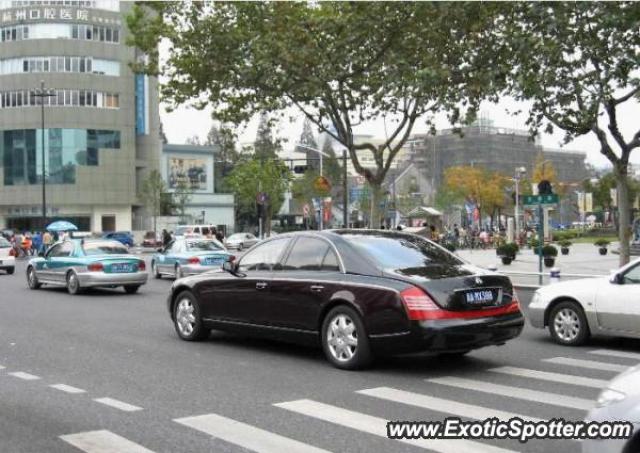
(186, 318)
(11, 270)
(154, 270)
(344, 339)
(73, 285)
(568, 324)
(32, 279)
(131, 289)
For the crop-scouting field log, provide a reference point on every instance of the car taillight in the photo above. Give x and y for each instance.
(142, 266)
(418, 304)
(95, 267)
(232, 258)
(194, 260)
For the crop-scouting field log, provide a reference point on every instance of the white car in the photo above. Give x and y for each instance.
(241, 241)
(619, 401)
(603, 306)
(7, 258)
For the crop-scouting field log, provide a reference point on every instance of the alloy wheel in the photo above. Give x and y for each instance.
(72, 283)
(342, 337)
(185, 318)
(567, 324)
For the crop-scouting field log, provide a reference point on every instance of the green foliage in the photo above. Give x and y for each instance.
(508, 249)
(534, 244)
(601, 243)
(266, 146)
(223, 138)
(565, 243)
(549, 251)
(151, 193)
(181, 197)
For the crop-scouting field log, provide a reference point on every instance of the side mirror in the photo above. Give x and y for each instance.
(617, 279)
(229, 266)
(159, 250)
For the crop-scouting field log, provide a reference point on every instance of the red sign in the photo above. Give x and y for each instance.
(326, 210)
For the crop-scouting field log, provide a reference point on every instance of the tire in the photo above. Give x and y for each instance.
(187, 319)
(568, 324)
(344, 339)
(131, 289)
(454, 355)
(32, 279)
(11, 270)
(73, 285)
(154, 270)
(178, 273)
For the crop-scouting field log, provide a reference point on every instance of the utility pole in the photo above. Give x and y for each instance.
(43, 94)
(345, 188)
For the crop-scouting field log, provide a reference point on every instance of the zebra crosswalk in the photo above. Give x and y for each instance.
(365, 412)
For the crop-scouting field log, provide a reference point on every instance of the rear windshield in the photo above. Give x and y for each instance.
(401, 251)
(203, 246)
(104, 248)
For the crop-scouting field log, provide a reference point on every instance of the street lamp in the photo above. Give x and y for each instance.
(345, 211)
(42, 93)
(519, 172)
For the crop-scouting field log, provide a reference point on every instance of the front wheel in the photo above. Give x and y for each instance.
(11, 270)
(344, 339)
(131, 289)
(73, 285)
(568, 324)
(32, 279)
(186, 318)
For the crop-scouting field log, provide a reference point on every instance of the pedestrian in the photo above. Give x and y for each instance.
(220, 236)
(47, 240)
(36, 243)
(166, 238)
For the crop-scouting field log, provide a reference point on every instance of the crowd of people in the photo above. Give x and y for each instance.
(30, 243)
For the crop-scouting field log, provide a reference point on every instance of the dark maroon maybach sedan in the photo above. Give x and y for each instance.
(357, 293)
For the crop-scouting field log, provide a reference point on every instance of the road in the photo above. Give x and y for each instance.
(108, 368)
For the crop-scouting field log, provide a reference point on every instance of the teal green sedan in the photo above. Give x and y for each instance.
(87, 263)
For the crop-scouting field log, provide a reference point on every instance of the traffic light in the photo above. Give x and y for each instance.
(545, 188)
(299, 169)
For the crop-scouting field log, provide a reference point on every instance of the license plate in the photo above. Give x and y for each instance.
(479, 297)
(213, 261)
(121, 268)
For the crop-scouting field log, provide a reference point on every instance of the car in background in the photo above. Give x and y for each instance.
(189, 255)
(203, 230)
(124, 237)
(574, 310)
(7, 234)
(620, 401)
(241, 241)
(358, 293)
(151, 240)
(87, 263)
(7, 256)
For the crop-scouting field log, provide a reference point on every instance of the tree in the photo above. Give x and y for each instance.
(151, 193)
(578, 63)
(182, 195)
(477, 185)
(601, 191)
(193, 140)
(251, 176)
(340, 63)
(543, 170)
(163, 136)
(266, 146)
(224, 139)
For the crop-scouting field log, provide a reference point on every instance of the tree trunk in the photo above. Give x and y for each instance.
(624, 216)
(376, 198)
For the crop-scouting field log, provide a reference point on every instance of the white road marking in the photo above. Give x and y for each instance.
(614, 353)
(118, 404)
(103, 442)
(246, 436)
(554, 399)
(441, 405)
(552, 377)
(590, 364)
(378, 427)
(25, 376)
(67, 388)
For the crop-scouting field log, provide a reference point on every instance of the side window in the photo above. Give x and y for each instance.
(307, 255)
(61, 250)
(330, 262)
(632, 276)
(263, 257)
(53, 251)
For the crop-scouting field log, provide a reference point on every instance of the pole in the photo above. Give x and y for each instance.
(540, 242)
(517, 208)
(44, 179)
(345, 196)
(321, 223)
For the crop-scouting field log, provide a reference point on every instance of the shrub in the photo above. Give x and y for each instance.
(565, 243)
(534, 243)
(601, 243)
(549, 251)
(508, 249)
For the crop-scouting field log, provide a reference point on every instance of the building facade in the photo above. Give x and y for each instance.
(101, 121)
(191, 170)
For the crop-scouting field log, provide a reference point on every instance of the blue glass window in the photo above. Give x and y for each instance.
(64, 149)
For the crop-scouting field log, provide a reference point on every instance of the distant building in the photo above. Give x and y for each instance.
(497, 149)
(192, 168)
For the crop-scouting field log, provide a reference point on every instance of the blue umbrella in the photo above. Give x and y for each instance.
(62, 225)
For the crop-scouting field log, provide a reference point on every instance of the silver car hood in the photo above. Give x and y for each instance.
(627, 382)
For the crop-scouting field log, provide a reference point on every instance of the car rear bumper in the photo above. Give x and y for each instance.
(7, 262)
(194, 269)
(450, 335)
(89, 279)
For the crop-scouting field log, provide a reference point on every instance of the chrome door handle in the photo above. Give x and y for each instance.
(317, 288)
(261, 285)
